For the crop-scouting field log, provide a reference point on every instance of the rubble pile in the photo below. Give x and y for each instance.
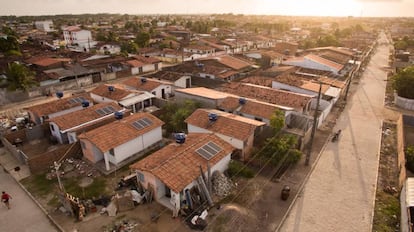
(74, 168)
(122, 226)
(222, 185)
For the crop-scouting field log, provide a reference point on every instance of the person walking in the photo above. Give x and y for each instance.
(5, 198)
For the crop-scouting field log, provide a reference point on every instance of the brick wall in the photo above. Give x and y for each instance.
(43, 161)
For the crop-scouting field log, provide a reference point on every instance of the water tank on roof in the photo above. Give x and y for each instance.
(143, 80)
(179, 138)
(242, 101)
(111, 88)
(118, 115)
(212, 117)
(85, 104)
(59, 94)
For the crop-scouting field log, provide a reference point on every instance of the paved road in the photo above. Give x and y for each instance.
(340, 193)
(24, 214)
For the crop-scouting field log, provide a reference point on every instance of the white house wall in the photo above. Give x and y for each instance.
(278, 85)
(182, 82)
(158, 91)
(55, 132)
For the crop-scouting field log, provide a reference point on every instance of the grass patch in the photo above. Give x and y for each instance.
(387, 212)
(96, 189)
(54, 202)
(38, 184)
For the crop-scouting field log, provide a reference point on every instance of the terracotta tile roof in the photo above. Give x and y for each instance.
(227, 124)
(58, 105)
(227, 74)
(199, 47)
(250, 106)
(116, 95)
(80, 117)
(46, 61)
(178, 165)
(332, 82)
(167, 75)
(293, 79)
(336, 57)
(72, 28)
(324, 61)
(231, 62)
(204, 92)
(229, 103)
(147, 60)
(260, 109)
(139, 83)
(266, 94)
(119, 132)
(259, 80)
(135, 63)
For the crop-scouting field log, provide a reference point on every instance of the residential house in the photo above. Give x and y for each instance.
(315, 62)
(38, 114)
(208, 98)
(108, 48)
(199, 51)
(159, 89)
(46, 26)
(79, 38)
(251, 108)
(300, 102)
(178, 80)
(141, 64)
(121, 141)
(172, 172)
(131, 99)
(286, 48)
(66, 128)
(236, 130)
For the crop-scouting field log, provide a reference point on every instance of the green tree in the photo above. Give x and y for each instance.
(403, 82)
(175, 114)
(277, 121)
(142, 39)
(19, 77)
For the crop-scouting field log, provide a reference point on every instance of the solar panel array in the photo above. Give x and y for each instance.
(105, 110)
(77, 100)
(141, 123)
(209, 150)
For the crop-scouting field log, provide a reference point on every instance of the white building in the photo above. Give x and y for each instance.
(46, 26)
(76, 37)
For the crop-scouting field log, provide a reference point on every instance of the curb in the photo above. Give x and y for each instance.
(302, 185)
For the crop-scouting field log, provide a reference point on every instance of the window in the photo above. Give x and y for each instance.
(112, 152)
(52, 127)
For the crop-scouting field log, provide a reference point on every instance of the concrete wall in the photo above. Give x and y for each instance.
(402, 175)
(404, 103)
(43, 161)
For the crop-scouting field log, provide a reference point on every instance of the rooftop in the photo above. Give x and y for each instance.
(177, 165)
(119, 132)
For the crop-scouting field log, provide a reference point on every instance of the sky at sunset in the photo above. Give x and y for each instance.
(365, 8)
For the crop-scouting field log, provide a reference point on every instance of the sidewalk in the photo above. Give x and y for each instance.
(25, 214)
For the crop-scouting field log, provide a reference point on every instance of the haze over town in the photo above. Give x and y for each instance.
(358, 8)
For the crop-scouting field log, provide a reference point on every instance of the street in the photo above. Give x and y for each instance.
(340, 193)
(24, 214)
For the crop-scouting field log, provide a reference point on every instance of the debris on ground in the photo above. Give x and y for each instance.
(125, 225)
(222, 185)
(72, 167)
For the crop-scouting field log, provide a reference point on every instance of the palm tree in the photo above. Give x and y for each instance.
(19, 77)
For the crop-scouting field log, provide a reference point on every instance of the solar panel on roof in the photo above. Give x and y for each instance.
(209, 150)
(100, 112)
(141, 123)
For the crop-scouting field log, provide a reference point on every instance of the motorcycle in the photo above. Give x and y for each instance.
(336, 136)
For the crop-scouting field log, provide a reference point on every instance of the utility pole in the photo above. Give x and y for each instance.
(57, 166)
(315, 117)
(349, 84)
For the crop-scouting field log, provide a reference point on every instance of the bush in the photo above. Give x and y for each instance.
(237, 168)
(409, 157)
